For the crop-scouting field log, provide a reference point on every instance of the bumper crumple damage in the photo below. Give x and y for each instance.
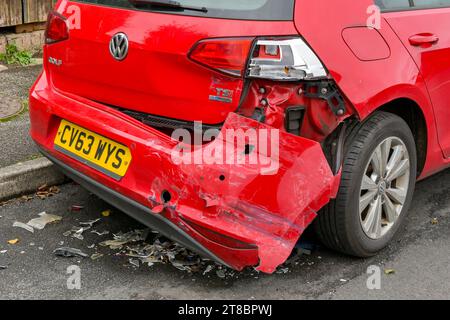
(244, 213)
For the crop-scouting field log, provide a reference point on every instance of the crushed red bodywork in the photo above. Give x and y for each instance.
(269, 210)
(247, 215)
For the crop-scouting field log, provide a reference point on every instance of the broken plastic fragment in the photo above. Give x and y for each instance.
(70, 253)
(43, 220)
(208, 269)
(103, 233)
(220, 273)
(76, 208)
(23, 226)
(134, 262)
(389, 271)
(434, 221)
(90, 224)
(96, 256)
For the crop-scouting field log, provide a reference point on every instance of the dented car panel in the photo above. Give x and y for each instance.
(262, 213)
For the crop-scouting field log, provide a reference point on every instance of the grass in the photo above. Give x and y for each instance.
(14, 56)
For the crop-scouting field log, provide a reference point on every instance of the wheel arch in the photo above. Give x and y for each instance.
(412, 113)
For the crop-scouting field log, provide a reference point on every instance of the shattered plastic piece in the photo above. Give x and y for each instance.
(283, 271)
(43, 220)
(77, 232)
(76, 208)
(134, 262)
(389, 271)
(23, 226)
(3, 251)
(90, 224)
(103, 233)
(121, 239)
(208, 269)
(343, 280)
(434, 221)
(96, 256)
(69, 253)
(221, 274)
(13, 241)
(106, 213)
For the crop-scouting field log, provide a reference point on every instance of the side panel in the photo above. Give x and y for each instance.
(367, 84)
(433, 60)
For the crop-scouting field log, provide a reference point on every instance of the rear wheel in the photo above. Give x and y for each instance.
(378, 179)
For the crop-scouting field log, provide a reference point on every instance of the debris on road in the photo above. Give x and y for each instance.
(24, 226)
(106, 213)
(134, 262)
(3, 251)
(221, 274)
(90, 224)
(96, 256)
(100, 234)
(122, 239)
(389, 271)
(3, 267)
(76, 208)
(434, 221)
(13, 241)
(45, 192)
(77, 232)
(43, 220)
(67, 252)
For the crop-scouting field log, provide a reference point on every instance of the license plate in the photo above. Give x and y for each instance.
(94, 150)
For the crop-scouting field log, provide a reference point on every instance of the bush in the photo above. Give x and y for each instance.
(14, 56)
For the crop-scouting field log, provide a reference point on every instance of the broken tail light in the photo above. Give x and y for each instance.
(225, 55)
(57, 28)
(285, 60)
(272, 59)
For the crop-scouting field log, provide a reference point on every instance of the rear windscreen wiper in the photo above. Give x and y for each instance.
(169, 4)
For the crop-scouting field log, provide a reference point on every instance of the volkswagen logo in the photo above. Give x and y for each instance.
(119, 46)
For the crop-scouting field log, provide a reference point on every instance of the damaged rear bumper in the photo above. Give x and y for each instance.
(237, 214)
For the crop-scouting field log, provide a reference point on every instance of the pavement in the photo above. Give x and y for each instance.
(418, 259)
(16, 143)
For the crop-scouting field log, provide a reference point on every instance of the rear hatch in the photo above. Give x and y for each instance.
(157, 76)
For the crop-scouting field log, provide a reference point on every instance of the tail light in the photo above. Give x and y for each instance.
(285, 60)
(273, 59)
(225, 55)
(57, 28)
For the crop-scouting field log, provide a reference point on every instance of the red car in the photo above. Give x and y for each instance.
(353, 96)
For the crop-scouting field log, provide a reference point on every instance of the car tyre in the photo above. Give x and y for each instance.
(346, 225)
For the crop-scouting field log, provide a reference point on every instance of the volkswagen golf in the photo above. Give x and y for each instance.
(351, 99)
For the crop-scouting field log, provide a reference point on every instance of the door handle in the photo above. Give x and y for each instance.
(423, 39)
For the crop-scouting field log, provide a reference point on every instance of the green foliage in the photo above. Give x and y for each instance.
(14, 56)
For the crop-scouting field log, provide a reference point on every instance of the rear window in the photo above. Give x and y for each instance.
(272, 10)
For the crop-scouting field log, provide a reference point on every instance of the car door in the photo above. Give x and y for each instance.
(424, 28)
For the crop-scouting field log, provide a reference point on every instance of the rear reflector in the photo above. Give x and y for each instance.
(57, 28)
(224, 55)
